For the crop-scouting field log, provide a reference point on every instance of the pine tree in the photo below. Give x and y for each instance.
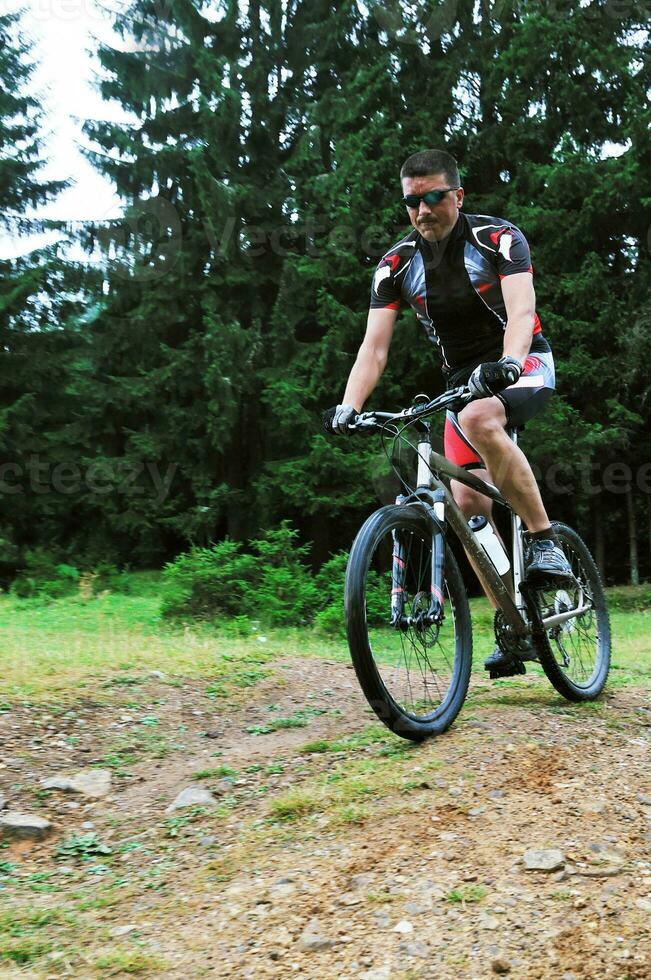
(33, 349)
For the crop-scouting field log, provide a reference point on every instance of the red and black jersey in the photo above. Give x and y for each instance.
(454, 286)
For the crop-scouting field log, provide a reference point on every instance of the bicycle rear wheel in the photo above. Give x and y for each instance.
(576, 656)
(415, 677)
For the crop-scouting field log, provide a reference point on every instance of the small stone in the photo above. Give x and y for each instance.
(404, 927)
(382, 920)
(543, 859)
(592, 806)
(377, 973)
(607, 871)
(349, 899)
(312, 939)
(23, 826)
(280, 936)
(414, 948)
(208, 840)
(157, 673)
(500, 966)
(282, 890)
(496, 794)
(87, 825)
(191, 796)
(454, 791)
(644, 904)
(487, 921)
(122, 931)
(644, 798)
(416, 908)
(361, 881)
(88, 782)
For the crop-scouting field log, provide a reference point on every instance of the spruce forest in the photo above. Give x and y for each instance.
(167, 390)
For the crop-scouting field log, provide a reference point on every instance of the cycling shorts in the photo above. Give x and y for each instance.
(522, 401)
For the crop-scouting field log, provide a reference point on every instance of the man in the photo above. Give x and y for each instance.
(469, 279)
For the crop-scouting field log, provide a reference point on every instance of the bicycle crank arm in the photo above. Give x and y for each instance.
(559, 618)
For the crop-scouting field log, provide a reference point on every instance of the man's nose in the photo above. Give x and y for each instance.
(423, 209)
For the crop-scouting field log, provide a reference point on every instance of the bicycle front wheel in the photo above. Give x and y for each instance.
(414, 674)
(576, 658)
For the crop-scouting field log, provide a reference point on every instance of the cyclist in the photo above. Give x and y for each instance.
(469, 279)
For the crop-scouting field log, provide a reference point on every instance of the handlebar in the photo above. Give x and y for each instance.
(420, 411)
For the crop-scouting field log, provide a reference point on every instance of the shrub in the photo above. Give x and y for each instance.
(43, 578)
(329, 582)
(330, 621)
(108, 576)
(270, 582)
(630, 598)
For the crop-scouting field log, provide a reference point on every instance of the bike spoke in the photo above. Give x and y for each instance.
(421, 669)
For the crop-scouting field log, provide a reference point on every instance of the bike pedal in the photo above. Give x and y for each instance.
(508, 670)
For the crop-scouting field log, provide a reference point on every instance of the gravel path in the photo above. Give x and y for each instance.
(519, 843)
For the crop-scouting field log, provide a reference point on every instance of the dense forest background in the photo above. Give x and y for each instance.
(168, 390)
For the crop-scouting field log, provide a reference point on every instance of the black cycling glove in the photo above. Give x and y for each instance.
(493, 376)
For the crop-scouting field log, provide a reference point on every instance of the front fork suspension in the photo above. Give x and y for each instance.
(434, 502)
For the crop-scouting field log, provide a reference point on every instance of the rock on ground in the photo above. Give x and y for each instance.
(88, 782)
(192, 796)
(24, 826)
(543, 860)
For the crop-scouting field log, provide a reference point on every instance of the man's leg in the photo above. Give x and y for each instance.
(484, 423)
(511, 473)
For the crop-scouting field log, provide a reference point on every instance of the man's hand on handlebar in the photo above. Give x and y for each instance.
(493, 376)
(345, 420)
(336, 420)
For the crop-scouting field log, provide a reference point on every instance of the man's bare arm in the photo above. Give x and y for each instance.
(371, 357)
(520, 302)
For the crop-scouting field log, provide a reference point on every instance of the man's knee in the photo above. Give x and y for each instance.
(483, 420)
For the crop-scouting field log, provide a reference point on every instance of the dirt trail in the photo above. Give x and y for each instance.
(334, 849)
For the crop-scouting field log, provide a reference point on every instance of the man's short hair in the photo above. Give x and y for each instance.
(432, 162)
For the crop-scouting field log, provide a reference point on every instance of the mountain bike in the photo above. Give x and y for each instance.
(407, 611)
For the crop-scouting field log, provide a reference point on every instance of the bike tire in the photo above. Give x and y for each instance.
(572, 641)
(373, 675)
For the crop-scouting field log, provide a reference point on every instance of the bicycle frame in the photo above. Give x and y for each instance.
(431, 466)
(432, 492)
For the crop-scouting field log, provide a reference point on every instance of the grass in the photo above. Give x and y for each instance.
(106, 648)
(129, 961)
(112, 643)
(466, 894)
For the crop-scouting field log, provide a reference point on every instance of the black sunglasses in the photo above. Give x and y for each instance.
(430, 197)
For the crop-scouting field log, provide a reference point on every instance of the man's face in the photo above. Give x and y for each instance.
(435, 221)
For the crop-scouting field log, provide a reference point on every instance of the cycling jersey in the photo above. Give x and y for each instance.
(454, 286)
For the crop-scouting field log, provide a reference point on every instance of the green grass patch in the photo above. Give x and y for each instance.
(82, 846)
(216, 773)
(295, 804)
(466, 894)
(129, 961)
